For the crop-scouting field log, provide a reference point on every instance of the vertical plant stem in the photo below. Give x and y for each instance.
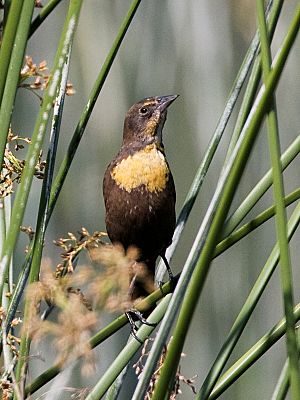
(49, 170)
(44, 200)
(13, 73)
(8, 41)
(2, 223)
(5, 213)
(7, 351)
(280, 217)
(38, 135)
(254, 77)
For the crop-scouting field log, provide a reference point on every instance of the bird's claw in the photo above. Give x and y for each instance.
(134, 316)
(170, 273)
(171, 276)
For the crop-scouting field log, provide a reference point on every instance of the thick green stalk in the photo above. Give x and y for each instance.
(13, 73)
(2, 223)
(38, 241)
(8, 40)
(254, 78)
(252, 355)
(38, 135)
(280, 216)
(19, 288)
(229, 180)
(84, 118)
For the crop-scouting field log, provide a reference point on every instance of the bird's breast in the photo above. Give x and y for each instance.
(146, 167)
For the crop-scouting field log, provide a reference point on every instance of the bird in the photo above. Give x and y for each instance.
(139, 190)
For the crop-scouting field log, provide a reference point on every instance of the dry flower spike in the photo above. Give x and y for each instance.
(12, 167)
(74, 324)
(34, 77)
(73, 246)
(106, 285)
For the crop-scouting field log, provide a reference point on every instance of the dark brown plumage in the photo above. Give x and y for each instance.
(138, 186)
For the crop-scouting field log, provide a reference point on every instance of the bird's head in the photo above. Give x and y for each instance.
(144, 121)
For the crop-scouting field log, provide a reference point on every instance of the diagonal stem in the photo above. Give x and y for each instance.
(280, 217)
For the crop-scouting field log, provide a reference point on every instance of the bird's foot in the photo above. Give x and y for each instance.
(172, 279)
(171, 276)
(134, 316)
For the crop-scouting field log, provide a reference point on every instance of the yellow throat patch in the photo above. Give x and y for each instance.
(146, 167)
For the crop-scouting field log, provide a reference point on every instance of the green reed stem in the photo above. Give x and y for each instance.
(280, 216)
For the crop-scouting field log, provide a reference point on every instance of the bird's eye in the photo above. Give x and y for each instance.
(144, 110)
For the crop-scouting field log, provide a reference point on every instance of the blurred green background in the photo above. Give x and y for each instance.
(192, 48)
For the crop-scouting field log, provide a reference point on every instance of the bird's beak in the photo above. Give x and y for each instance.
(165, 101)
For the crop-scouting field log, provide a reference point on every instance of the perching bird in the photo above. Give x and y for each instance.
(138, 187)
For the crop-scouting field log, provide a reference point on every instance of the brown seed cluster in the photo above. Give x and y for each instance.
(13, 166)
(73, 245)
(75, 322)
(110, 287)
(35, 77)
(80, 293)
(6, 388)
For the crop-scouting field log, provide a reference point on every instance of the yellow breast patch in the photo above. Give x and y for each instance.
(146, 167)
